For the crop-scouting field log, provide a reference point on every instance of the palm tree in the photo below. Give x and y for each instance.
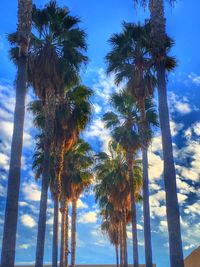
(113, 190)
(71, 119)
(76, 177)
(37, 109)
(131, 61)
(11, 210)
(56, 55)
(159, 51)
(124, 131)
(112, 230)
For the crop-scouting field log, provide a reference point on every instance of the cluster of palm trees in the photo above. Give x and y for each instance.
(55, 51)
(49, 50)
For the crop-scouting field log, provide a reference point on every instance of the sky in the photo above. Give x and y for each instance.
(101, 19)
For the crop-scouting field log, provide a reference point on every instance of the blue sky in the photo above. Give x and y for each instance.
(101, 19)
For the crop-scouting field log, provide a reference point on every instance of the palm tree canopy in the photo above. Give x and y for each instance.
(124, 122)
(77, 173)
(112, 187)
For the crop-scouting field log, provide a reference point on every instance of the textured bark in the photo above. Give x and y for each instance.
(59, 162)
(146, 210)
(49, 132)
(133, 211)
(73, 235)
(117, 255)
(55, 234)
(64, 212)
(11, 210)
(172, 207)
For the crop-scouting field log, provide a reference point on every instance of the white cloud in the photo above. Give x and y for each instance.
(179, 104)
(24, 246)
(97, 131)
(81, 204)
(188, 247)
(88, 217)
(194, 78)
(97, 108)
(31, 191)
(28, 221)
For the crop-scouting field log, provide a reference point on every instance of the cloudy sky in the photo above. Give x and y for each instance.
(100, 19)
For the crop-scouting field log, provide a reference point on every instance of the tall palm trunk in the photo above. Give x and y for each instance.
(67, 238)
(117, 255)
(73, 235)
(55, 234)
(172, 207)
(49, 132)
(11, 211)
(121, 246)
(133, 210)
(64, 212)
(125, 238)
(146, 208)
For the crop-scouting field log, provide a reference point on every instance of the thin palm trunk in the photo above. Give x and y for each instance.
(73, 235)
(11, 210)
(117, 255)
(172, 207)
(121, 246)
(146, 210)
(55, 234)
(49, 132)
(64, 211)
(67, 238)
(146, 207)
(133, 211)
(125, 239)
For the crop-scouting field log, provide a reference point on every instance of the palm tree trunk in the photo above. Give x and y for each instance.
(121, 247)
(49, 132)
(73, 235)
(11, 210)
(146, 210)
(43, 209)
(55, 234)
(67, 237)
(125, 239)
(172, 207)
(117, 255)
(64, 208)
(133, 209)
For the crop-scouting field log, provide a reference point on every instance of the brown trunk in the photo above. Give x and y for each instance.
(73, 235)
(59, 162)
(11, 210)
(64, 212)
